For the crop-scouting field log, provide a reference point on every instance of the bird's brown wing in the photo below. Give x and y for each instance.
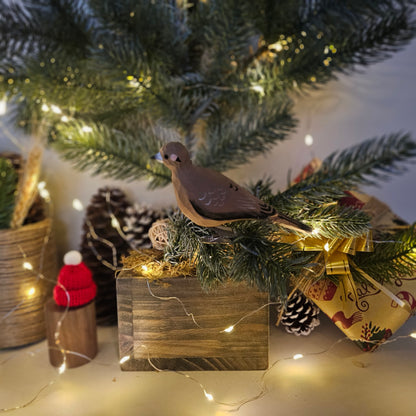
(220, 198)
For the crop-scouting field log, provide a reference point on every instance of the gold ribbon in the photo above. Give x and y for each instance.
(336, 260)
(336, 250)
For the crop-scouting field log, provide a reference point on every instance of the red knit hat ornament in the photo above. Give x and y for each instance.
(76, 278)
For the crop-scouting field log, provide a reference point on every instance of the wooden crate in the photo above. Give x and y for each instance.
(152, 330)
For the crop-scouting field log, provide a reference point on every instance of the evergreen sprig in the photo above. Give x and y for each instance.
(111, 153)
(373, 160)
(394, 256)
(8, 186)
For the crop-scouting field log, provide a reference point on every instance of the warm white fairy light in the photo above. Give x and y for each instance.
(145, 268)
(297, 356)
(45, 108)
(413, 335)
(27, 265)
(229, 329)
(62, 368)
(326, 246)
(86, 129)
(276, 46)
(65, 119)
(43, 192)
(77, 204)
(3, 107)
(55, 109)
(316, 231)
(31, 291)
(209, 396)
(308, 140)
(124, 359)
(114, 222)
(258, 88)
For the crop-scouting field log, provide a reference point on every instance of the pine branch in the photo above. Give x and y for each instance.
(231, 139)
(110, 152)
(8, 186)
(392, 258)
(377, 158)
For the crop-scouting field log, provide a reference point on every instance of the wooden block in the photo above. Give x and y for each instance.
(152, 330)
(78, 333)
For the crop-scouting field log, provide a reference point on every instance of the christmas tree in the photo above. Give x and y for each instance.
(113, 81)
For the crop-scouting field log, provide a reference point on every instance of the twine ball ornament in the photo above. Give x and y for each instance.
(158, 234)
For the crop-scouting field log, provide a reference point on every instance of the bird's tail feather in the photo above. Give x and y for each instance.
(291, 223)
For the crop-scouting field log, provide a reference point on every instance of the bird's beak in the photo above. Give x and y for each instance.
(158, 157)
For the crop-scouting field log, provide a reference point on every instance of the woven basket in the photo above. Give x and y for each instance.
(21, 312)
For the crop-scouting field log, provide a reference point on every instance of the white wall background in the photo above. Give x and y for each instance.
(377, 101)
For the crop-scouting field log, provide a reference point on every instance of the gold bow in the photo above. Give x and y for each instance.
(336, 251)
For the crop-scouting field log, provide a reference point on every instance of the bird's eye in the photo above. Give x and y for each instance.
(166, 157)
(177, 159)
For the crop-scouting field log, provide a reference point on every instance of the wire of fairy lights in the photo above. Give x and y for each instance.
(233, 407)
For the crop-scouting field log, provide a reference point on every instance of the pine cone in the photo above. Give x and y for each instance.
(137, 222)
(102, 247)
(301, 315)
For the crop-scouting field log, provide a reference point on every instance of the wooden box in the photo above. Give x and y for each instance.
(154, 328)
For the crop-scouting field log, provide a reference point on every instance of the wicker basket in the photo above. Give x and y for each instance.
(21, 312)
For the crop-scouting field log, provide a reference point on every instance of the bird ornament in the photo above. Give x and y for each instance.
(210, 199)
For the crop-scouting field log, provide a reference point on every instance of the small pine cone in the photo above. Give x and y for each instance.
(137, 223)
(300, 316)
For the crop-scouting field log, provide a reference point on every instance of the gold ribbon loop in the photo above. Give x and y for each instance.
(336, 252)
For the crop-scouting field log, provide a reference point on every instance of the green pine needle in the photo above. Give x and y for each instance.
(394, 256)
(8, 185)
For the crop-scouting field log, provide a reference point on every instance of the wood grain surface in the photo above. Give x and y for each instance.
(159, 332)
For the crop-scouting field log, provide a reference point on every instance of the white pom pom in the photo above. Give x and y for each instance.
(73, 258)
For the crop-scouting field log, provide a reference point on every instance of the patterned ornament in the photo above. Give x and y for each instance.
(300, 316)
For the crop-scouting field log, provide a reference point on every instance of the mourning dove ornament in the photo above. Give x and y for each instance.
(210, 199)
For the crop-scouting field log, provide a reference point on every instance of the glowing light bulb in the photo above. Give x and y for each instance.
(3, 107)
(64, 119)
(258, 88)
(308, 140)
(77, 204)
(316, 231)
(45, 108)
(209, 396)
(56, 109)
(27, 266)
(326, 246)
(413, 335)
(297, 356)
(124, 359)
(115, 223)
(145, 268)
(62, 368)
(229, 329)
(31, 291)
(44, 193)
(87, 129)
(276, 46)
